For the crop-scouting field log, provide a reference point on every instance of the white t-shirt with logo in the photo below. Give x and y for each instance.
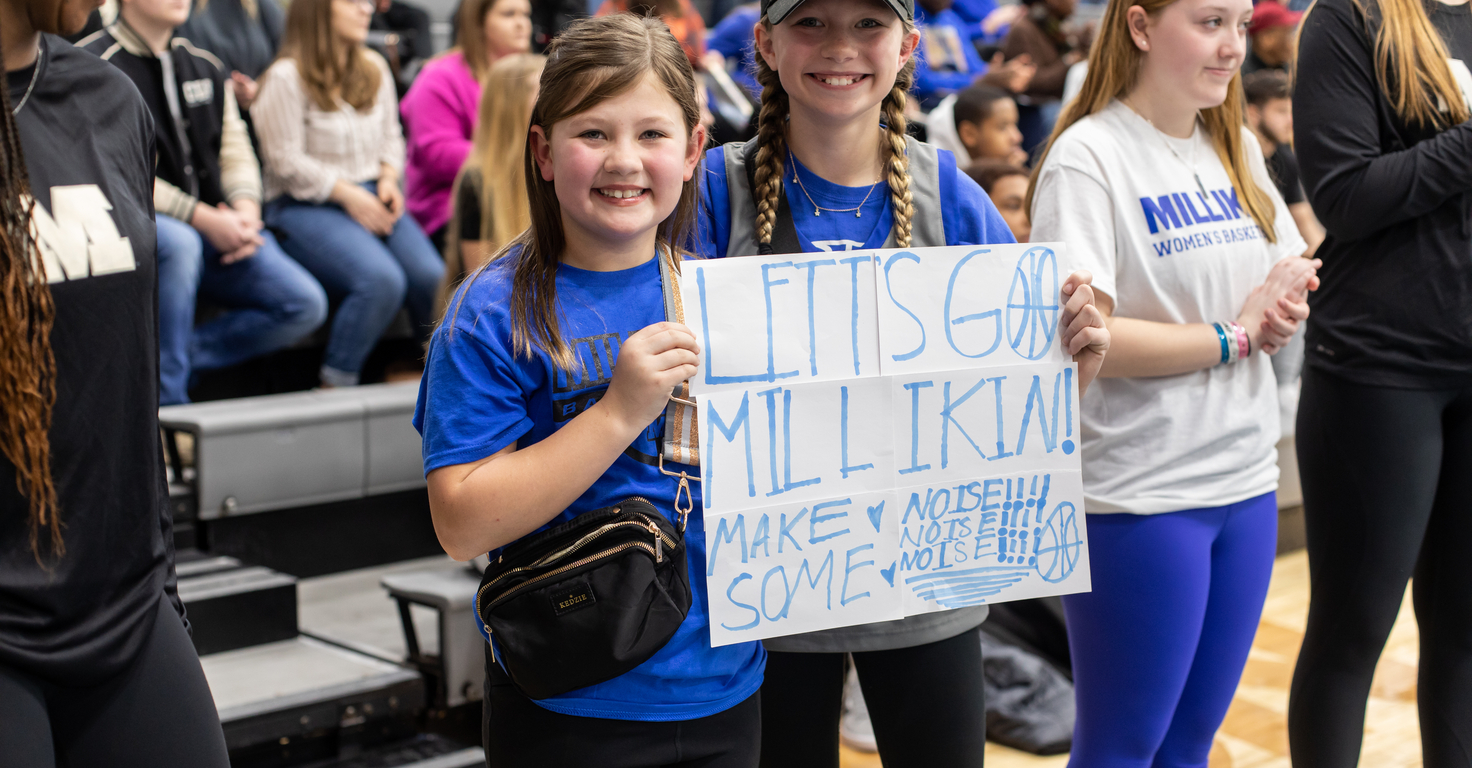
(1132, 213)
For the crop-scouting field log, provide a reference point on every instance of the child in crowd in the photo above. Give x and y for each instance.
(1006, 184)
(979, 123)
(1270, 116)
(613, 151)
(833, 170)
(440, 109)
(1156, 188)
(1385, 427)
(328, 122)
(207, 196)
(96, 667)
(490, 192)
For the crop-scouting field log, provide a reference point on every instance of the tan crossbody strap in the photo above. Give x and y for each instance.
(681, 428)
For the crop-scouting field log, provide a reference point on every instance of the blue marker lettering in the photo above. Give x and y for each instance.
(849, 566)
(889, 287)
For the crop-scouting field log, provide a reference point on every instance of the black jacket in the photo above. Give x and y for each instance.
(189, 157)
(1395, 308)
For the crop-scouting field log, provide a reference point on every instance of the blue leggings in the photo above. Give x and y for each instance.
(1159, 645)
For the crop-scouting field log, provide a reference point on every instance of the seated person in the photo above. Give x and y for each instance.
(680, 16)
(1042, 35)
(490, 202)
(207, 196)
(733, 40)
(1270, 116)
(985, 20)
(440, 109)
(243, 34)
(328, 120)
(1270, 37)
(413, 41)
(979, 123)
(950, 62)
(1006, 185)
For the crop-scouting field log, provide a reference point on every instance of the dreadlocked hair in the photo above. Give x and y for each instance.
(27, 365)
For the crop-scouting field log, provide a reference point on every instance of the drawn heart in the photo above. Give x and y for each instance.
(888, 573)
(876, 512)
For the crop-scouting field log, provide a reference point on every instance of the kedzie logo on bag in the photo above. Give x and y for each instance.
(579, 595)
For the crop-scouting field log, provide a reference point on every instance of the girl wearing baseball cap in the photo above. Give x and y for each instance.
(831, 169)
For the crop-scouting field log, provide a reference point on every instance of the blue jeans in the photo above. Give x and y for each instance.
(1159, 645)
(375, 276)
(271, 303)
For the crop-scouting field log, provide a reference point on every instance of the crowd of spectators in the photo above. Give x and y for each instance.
(301, 139)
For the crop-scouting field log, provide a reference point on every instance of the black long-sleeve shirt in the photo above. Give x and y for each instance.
(1395, 307)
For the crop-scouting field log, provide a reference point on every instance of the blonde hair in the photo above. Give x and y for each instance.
(1114, 68)
(1411, 64)
(592, 61)
(495, 156)
(310, 41)
(771, 138)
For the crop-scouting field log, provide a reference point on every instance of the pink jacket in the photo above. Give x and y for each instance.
(439, 114)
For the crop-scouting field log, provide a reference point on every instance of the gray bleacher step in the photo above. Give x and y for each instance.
(233, 606)
(270, 696)
(423, 751)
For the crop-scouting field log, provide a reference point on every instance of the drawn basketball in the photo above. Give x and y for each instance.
(1032, 303)
(1057, 545)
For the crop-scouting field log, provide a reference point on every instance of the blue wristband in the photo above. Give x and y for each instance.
(1221, 336)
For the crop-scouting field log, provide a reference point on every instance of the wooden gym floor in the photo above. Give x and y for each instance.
(1255, 733)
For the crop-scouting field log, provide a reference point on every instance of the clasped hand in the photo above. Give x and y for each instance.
(1274, 310)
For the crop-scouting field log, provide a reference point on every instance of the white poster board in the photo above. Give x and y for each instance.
(884, 434)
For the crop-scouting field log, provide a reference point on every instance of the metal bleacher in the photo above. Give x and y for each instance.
(284, 495)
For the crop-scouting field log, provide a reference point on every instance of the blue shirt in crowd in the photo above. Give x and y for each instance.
(478, 396)
(734, 39)
(948, 60)
(967, 212)
(973, 12)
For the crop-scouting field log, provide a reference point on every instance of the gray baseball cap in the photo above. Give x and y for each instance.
(777, 10)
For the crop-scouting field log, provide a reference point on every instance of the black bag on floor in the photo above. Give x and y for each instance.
(588, 600)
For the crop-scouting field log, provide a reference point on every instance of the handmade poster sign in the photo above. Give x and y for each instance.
(884, 434)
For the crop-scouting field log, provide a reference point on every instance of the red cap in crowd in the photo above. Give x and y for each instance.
(1270, 13)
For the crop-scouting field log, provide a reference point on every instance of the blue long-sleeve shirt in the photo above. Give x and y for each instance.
(733, 38)
(948, 60)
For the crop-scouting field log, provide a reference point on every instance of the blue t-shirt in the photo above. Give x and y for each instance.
(968, 214)
(734, 39)
(948, 60)
(478, 396)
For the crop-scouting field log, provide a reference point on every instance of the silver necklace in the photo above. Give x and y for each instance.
(1191, 166)
(35, 75)
(857, 210)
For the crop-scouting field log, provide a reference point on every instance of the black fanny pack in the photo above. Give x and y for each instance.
(588, 600)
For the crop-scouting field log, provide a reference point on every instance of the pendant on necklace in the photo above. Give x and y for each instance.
(857, 214)
(815, 211)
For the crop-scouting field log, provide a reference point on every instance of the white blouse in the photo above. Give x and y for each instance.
(305, 149)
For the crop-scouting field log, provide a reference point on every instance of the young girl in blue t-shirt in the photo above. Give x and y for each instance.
(546, 383)
(832, 169)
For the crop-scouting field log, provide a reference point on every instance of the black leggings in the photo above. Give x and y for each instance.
(926, 704)
(157, 712)
(1387, 487)
(520, 734)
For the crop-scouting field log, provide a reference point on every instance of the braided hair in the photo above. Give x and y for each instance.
(771, 138)
(27, 365)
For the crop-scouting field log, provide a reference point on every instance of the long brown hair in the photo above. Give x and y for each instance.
(1411, 64)
(1114, 68)
(592, 61)
(771, 154)
(470, 35)
(27, 364)
(317, 50)
(495, 156)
